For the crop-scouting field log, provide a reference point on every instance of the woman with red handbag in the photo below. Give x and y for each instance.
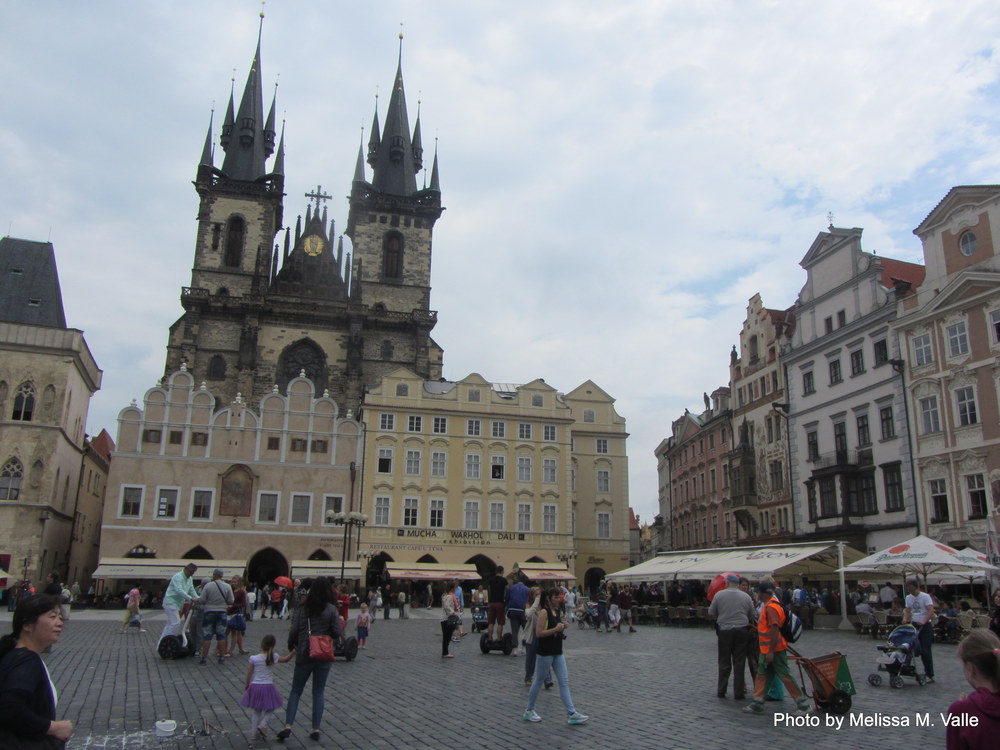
(315, 628)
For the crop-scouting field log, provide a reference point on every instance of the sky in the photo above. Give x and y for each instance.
(619, 178)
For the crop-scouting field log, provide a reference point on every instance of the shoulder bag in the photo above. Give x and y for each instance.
(320, 646)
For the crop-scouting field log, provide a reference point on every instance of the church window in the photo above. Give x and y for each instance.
(392, 256)
(10, 480)
(236, 231)
(217, 368)
(24, 403)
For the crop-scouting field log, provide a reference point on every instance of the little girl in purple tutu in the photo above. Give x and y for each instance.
(261, 696)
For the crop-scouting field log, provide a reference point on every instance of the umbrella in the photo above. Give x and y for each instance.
(923, 556)
(284, 581)
(718, 583)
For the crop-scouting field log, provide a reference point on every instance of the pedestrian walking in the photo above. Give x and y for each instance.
(316, 617)
(386, 601)
(362, 623)
(919, 611)
(259, 693)
(549, 631)
(236, 624)
(531, 640)
(449, 619)
(132, 609)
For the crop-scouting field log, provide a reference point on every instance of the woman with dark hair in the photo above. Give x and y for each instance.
(549, 633)
(27, 696)
(317, 616)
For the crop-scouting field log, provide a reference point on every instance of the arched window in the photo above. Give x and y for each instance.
(392, 257)
(217, 368)
(10, 480)
(24, 403)
(236, 232)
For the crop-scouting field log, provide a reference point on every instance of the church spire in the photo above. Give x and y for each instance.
(435, 181)
(247, 148)
(279, 158)
(373, 141)
(394, 171)
(359, 169)
(206, 151)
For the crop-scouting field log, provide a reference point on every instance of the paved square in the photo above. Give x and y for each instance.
(651, 689)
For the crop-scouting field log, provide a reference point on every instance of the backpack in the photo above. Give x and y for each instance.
(791, 628)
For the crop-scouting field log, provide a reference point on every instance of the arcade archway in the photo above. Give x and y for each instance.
(266, 565)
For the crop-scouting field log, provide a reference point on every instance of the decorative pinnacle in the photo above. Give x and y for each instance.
(261, 8)
(318, 196)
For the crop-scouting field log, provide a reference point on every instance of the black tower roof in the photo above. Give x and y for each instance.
(29, 284)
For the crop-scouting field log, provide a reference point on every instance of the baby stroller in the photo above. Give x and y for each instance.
(586, 614)
(479, 617)
(898, 658)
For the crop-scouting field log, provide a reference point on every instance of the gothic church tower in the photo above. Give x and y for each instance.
(256, 316)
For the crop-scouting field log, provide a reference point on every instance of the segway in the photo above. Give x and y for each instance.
(184, 645)
(505, 643)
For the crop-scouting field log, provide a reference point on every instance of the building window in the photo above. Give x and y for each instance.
(411, 511)
(930, 420)
(474, 428)
(499, 429)
(381, 510)
(497, 465)
(812, 445)
(864, 435)
(439, 464)
(808, 383)
(857, 362)
(274, 444)
(524, 431)
(922, 352)
(524, 468)
(437, 513)
(387, 421)
(603, 480)
(841, 318)
(319, 446)
(603, 525)
(835, 376)
(414, 423)
(412, 463)
(958, 339)
(939, 501)
(392, 256)
(201, 505)
(549, 470)
(217, 368)
(588, 415)
(472, 464)
(301, 512)
(332, 505)
(602, 445)
(267, 507)
(827, 497)
(10, 480)
(967, 243)
(893, 476)
(166, 505)
(851, 495)
(536, 400)
(881, 352)
(777, 476)
(887, 422)
(840, 442)
(995, 324)
(549, 433)
(474, 395)
(549, 519)
(299, 445)
(385, 460)
(131, 506)
(471, 514)
(976, 488)
(152, 436)
(868, 501)
(199, 438)
(966, 401)
(440, 425)
(828, 324)
(235, 237)
(402, 389)
(524, 516)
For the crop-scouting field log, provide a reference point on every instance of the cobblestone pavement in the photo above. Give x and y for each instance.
(651, 689)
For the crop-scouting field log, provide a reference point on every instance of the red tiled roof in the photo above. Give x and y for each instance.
(633, 521)
(899, 270)
(103, 445)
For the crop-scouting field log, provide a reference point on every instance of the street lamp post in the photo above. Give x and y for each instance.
(565, 558)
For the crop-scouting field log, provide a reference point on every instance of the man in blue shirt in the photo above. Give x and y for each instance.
(517, 602)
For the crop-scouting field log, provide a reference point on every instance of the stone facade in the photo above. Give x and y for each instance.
(949, 334)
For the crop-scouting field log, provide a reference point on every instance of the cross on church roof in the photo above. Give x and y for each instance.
(318, 196)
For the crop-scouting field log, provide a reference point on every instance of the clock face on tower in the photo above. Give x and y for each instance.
(313, 245)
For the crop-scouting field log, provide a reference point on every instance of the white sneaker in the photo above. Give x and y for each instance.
(577, 718)
(532, 716)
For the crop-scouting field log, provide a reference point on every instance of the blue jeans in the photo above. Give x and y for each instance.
(557, 664)
(925, 636)
(529, 663)
(213, 623)
(319, 670)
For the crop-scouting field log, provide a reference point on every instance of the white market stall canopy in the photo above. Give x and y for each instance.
(814, 561)
(140, 568)
(328, 568)
(544, 571)
(432, 571)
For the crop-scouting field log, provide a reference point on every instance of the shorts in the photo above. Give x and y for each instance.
(779, 665)
(213, 622)
(495, 614)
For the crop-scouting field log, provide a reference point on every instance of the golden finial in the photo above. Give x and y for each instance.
(401, 31)
(261, 8)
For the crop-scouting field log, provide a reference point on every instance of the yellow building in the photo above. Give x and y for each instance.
(486, 474)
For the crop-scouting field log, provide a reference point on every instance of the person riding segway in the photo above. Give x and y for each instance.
(497, 589)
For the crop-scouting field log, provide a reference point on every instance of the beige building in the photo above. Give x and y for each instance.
(257, 484)
(485, 474)
(47, 376)
(949, 339)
